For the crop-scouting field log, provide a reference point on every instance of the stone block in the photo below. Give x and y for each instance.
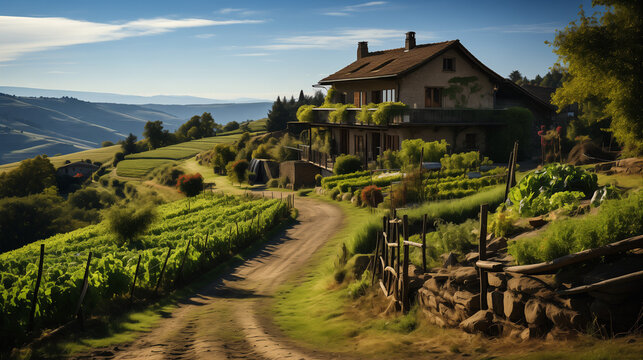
(467, 299)
(478, 322)
(513, 306)
(535, 312)
(495, 301)
(468, 273)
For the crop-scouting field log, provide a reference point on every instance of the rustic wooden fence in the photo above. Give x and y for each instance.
(389, 265)
(235, 243)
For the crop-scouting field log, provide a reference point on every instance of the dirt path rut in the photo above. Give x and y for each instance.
(226, 319)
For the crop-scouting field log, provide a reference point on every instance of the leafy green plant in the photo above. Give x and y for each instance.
(501, 223)
(386, 110)
(616, 220)
(365, 116)
(318, 179)
(340, 114)
(346, 164)
(127, 223)
(238, 171)
(305, 113)
(533, 192)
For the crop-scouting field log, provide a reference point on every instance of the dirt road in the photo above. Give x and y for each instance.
(226, 319)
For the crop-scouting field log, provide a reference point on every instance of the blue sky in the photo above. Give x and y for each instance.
(259, 49)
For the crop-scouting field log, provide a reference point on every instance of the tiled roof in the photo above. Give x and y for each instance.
(389, 63)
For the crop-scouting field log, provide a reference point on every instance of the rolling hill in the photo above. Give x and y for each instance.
(30, 126)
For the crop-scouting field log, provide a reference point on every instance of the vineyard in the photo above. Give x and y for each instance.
(192, 239)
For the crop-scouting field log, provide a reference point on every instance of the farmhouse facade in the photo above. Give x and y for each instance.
(449, 95)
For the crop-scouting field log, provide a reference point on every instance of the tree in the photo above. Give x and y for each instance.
(232, 125)
(277, 116)
(190, 184)
(603, 56)
(302, 98)
(31, 177)
(106, 143)
(515, 76)
(223, 154)
(129, 144)
(238, 171)
(155, 135)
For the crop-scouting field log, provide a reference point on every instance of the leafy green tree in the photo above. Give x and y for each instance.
(190, 184)
(31, 177)
(155, 135)
(106, 143)
(129, 144)
(232, 125)
(603, 54)
(223, 154)
(515, 76)
(238, 171)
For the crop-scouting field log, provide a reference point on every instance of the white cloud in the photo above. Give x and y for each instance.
(237, 11)
(347, 10)
(339, 39)
(22, 35)
(204, 36)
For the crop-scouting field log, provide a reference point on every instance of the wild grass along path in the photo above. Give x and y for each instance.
(227, 318)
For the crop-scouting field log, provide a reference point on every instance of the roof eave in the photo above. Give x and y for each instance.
(331, 81)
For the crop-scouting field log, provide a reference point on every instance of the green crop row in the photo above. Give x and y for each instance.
(330, 182)
(228, 223)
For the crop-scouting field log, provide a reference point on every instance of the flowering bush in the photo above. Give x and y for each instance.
(372, 196)
(190, 184)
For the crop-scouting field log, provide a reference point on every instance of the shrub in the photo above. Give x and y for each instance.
(32, 176)
(318, 179)
(167, 175)
(127, 223)
(106, 143)
(333, 193)
(262, 152)
(190, 184)
(238, 171)
(272, 183)
(340, 114)
(502, 222)
(346, 164)
(372, 196)
(365, 116)
(386, 110)
(305, 113)
(461, 161)
(282, 150)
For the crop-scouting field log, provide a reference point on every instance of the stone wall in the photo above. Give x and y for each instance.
(299, 173)
(521, 306)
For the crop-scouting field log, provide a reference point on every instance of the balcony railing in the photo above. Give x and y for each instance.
(318, 158)
(422, 116)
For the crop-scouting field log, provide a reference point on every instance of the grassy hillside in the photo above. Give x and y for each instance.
(103, 155)
(31, 126)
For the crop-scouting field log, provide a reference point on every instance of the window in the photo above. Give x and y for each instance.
(388, 95)
(378, 67)
(376, 96)
(357, 68)
(392, 142)
(433, 97)
(448, 64)
(359, 98)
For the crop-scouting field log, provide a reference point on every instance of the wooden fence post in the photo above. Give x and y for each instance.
(513, 167)
(387, 229)
(405, 267)
(508, 184)
(158, 282)
(178, 275)
(424, 221)
(131, 293)
(32, 314)
(79, 309)
(482, 251)
(375, 257)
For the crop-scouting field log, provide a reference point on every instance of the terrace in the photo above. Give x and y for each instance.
(425, 116)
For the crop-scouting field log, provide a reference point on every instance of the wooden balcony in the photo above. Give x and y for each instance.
(429, 116)
(321, 159)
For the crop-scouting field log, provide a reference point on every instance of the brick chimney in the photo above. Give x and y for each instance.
(362, 49)
(410, 40)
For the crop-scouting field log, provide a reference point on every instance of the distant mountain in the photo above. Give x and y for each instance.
(120, 98)
(30, 126)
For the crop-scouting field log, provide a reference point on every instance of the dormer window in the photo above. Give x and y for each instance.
(448, 64)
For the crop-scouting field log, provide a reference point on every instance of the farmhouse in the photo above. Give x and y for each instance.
(448, 93)
(79, 167)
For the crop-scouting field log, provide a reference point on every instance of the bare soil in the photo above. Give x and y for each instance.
(227, 318)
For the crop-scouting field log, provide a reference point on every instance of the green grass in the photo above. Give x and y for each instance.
(138, 165)
(321, 315)
(103, 155)
(616, 220)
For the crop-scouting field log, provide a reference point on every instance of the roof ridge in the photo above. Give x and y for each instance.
(379, 52)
